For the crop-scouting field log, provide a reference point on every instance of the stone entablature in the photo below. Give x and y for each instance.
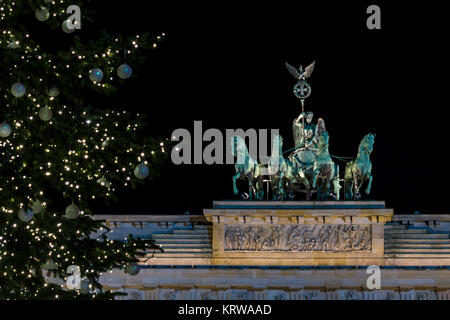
(197, 248)
(298, 233)
(422, 272)
(304, 212)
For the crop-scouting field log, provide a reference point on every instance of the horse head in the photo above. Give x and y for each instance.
(239, 150)
(277, 153)
(237, 145)
(368, 141)
(324, 141)
(277, 144)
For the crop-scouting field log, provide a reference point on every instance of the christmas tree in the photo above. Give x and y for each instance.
(59, 151)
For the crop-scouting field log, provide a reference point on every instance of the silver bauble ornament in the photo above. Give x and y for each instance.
(36, 206)
(124, 71)
(45, 114)
(26, 215)
(96, 75)
(133, 269)
(85, 286)
(5, 129)
(13, 45)
(141, 171)
(105, 143)
(18, 89)
(67, 27)
(42, 14)
(53, 91)
(72, 211)
(104, 182)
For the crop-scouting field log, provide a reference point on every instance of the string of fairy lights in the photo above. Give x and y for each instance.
(74, 161)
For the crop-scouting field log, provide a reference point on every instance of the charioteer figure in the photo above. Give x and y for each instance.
(306, 133)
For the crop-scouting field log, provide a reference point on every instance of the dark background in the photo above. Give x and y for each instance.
(223, 63)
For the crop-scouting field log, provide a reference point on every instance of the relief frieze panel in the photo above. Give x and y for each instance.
(298, 238)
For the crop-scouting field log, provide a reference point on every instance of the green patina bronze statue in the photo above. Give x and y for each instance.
(309, 167)
(324, 168)
(282, 172)
(247, 168)
(360, 170)
(289, 175)
(306, 133)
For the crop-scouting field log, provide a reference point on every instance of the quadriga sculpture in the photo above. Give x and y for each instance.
(360, 170)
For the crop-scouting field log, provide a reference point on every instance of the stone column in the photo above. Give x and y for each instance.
(152, 292)
(367, 295)
(185, 292)
(193, 293)
(300, 294)
(443, 293)
(294, 293)
(406, 293)
(149, 292)
(286, 293)
(331, 293)
(223, 292)
(258, 293)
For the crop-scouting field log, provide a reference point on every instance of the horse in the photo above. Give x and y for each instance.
(248, 168)
(324, 167)
(281, 170)
(360, 170)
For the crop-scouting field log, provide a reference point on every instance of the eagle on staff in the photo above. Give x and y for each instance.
(300, 73)
(302, 89)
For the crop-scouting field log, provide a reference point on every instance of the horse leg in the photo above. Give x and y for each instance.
(358, 190)
(369, 184)
(274, 184)
(318, 186)
(356, 185)
(280, 190)
(304, 179)
(349, 188)
(235, 177)
(319, 189)
(330, 177)
(316, 173)
(251, 189)
(327, 187)
(287, 188)
(337, 188)
(260, 187)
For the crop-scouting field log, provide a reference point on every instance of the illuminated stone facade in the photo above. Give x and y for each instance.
(288, 251)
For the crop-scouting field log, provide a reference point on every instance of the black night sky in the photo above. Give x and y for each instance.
(224, 64)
